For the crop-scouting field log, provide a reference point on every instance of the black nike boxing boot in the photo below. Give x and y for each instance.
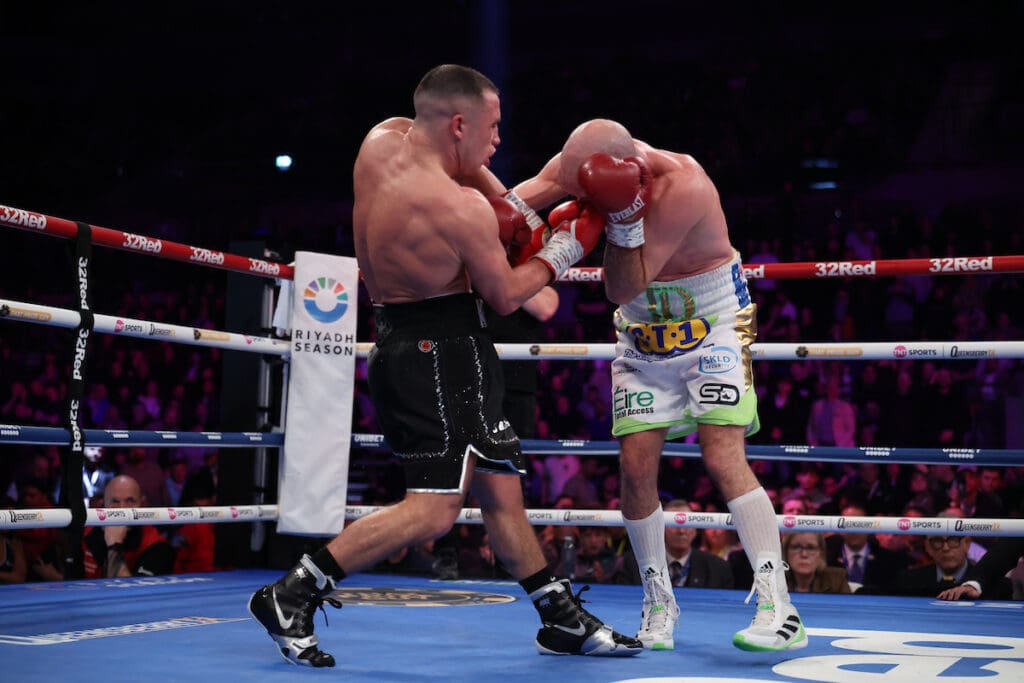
(571, 630)
(286, 607)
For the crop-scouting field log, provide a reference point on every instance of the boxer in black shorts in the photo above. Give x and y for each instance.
(426, 239)
(437, 386)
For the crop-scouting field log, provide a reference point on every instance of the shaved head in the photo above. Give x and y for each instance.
(592, 137)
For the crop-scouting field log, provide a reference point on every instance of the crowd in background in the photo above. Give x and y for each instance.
(767, 129)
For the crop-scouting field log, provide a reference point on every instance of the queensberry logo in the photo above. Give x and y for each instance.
(325, 299)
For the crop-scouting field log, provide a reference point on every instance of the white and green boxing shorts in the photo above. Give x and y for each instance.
(683, 355)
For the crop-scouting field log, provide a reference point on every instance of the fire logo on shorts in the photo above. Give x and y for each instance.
(325, 299)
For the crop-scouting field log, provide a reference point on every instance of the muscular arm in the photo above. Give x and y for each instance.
(681, 199)
(484, 181)
(542, 189)
(542, 305)
(624, 273)
(475, 237)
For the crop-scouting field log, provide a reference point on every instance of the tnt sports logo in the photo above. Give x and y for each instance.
(789, 521)
(325, 299)
(900, 351)
(680, 517)
(903, 523)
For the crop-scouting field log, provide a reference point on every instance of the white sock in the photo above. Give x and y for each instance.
(647, 536)
(758, 530)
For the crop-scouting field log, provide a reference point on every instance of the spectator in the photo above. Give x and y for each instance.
(832, 421)
(13, 568)
(908, 546)
(943, 406)
(148, 475)
(597, 562)
(477, 560)
(783, 416)
(194, 543)
(582, 486)
(999, 575)
(688, 565)
(174, 484)
(869, 567)
(43, 549)
(809, 478)
(950, 567)
(117, 551)
(804, 552)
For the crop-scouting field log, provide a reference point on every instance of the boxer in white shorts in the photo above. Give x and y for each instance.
(683, 358)
(683, 355)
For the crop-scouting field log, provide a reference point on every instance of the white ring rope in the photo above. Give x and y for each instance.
(143, 329)
(922, 526)
(44, 518)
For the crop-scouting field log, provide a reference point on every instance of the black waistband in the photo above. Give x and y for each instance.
(454, 314)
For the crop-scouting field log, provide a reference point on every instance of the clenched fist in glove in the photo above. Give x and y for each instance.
(621, 189)
(577, 229)
(521, 236)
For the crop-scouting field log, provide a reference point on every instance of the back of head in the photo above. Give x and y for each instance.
(443, 84)
(593, 137)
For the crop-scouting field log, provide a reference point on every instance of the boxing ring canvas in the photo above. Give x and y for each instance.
(395, 628)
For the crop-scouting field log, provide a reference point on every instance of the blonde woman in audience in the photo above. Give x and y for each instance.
(807, 573)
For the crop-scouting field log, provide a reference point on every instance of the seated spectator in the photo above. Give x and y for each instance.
(720, 542)
(689, 566)
(809, 478)
(416, 559)
(832, 421)
(908, 546)
(174, 484)
(194, 543)
(870, 568)
(804, 552)
(148, 475)
(13, 568)
(795, 504)
(597, 562)
(950, 568)
(44, 557)
(118, 551)
(997, 575)
(477, 560)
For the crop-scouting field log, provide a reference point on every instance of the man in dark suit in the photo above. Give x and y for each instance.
(870, 568)
(687, 565)
(950, 569)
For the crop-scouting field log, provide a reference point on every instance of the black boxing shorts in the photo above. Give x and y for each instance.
(437, 387)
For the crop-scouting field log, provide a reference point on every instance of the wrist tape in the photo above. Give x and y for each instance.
(561, 251)
(532, 219)
(626, 235)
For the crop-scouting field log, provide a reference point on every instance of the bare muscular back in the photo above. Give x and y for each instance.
(402, 206)
(685, 230)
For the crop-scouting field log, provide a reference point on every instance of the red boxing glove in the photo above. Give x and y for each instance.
(577, 229)
(621, 188)
(513, 230)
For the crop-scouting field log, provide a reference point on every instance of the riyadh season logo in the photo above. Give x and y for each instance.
(325, 299)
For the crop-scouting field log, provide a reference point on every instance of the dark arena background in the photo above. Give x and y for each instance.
(837, 134)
